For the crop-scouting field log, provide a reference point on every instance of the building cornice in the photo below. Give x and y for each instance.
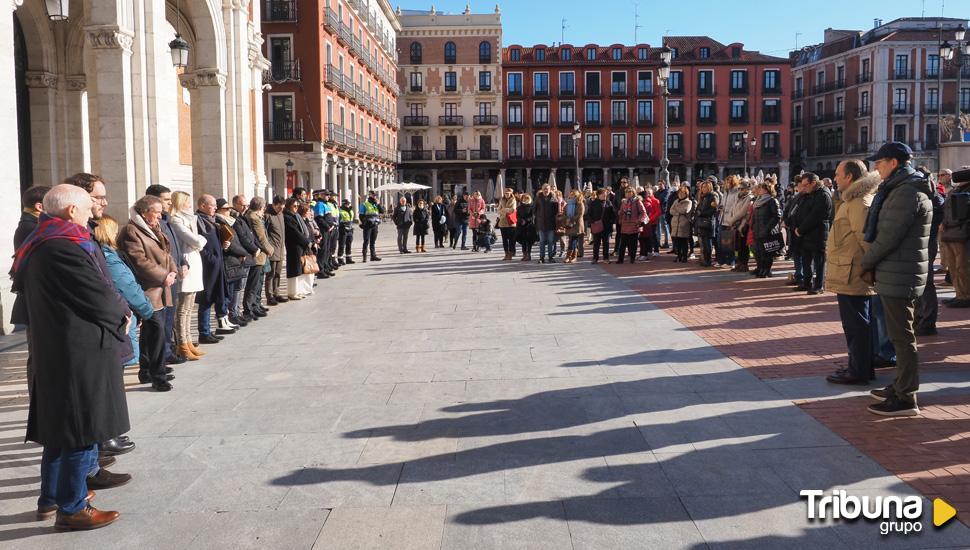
(109, 37)
(40, 79)
(203, 78)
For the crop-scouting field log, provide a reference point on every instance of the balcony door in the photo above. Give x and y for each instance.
(451, 147)
(281, 111)
(485, 147)
(281, 56)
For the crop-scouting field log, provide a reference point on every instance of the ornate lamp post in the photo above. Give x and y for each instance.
(179, 48)
(57, 10)
(663, 79)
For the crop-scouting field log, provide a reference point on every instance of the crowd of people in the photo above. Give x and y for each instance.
(115, 294)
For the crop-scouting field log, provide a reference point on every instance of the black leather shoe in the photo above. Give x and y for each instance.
(115, 446)
(846, 379)
(169, 370)
(175, 360)
(260, 314)
(209, 339)
(375, 259)
(104, 461)
(107, 480)
(281, 299)
(161, 386)
(238, 321)
(144, 377)
(928, 331)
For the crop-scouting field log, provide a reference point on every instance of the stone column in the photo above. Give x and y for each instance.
(355, 194)
(435, 186)
(348, 168)
(334, 167)
(528, 181)
(110, 82)
(501, 174)
(690, 172)
(784, 174)
(42, 93)
(78, 154)
(559, 184)
(606, 177)
(209, 170)
(468, 179)
(630, 175)
(10, 185)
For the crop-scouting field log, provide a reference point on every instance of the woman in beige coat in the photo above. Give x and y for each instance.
(507, 221)
(843, 276)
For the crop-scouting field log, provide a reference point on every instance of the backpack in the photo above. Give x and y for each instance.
(956, 209)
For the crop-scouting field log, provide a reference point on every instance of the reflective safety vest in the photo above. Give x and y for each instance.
(369, 209)
(346, 215)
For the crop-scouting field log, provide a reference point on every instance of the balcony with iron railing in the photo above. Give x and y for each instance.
(619, 91)
(740, 90)
(416, 155)
(597, 122)
(571, 92)
(416, 121)
(334, 78)
(706, 154)
(863, 111)
(541, 155)
(541, 123)
(619, 122)
(568, 153)
(900, 73)
(675, 119)
(346, 35)
(618, 153)
(283, 70)
(515, 92)
(451, 154)
(857, 148)
(799, 93)
(770, 153)
(708, 120)
(936, 108)
(902, 109)
(593, 93)
(485, 120)
(644, 155)
(332, 22)
(797, 122)
(826, 118)
(592, 155)
(566, 122)
(645, 122)
(648, 92)
(827, 150)
(863, 78)
(675, 153)
(771, 90)
(279, 11)
(336, 134)
(826, 87)
(283, 130)
(451, 120)
(483, 154)
(738, 119)
(541, 93)
(706, 92)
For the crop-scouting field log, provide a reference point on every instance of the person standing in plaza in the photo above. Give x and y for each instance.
(632, 215)
(547, 214)
(846, 248)
(525, 226)
(663, 222)
(955, 238)
(574, 213)
(681, 211)
(897, 262)
(461, 215)
(766, 215)
(253, 298)
(298, 242)
(790, 217)
(439, 221)
(32, 203)
(705, 219)
(403, 220)
(213, 293)
(276, 233)
(165, 194)
(617, 198)
(237, 261)
(369, 215)
(78, 400)
(507, 206)
(422, 222)
(600, 218)
(735, 221)
(814, 220)
(345, 233)
(185, 226)
(928, 304)
(148, 250)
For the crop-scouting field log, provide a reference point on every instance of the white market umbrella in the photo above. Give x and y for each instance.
(489, 190)
(568, 186)
(528, 185)
(552, 180)
(636, 181)
(500, 186)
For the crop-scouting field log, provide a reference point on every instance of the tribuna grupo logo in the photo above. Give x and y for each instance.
(895, 514)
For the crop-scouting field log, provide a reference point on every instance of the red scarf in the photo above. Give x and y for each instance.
(49, 227)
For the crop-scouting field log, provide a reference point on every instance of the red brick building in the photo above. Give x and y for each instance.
(857, 90)
(717, 92)
(331, 113)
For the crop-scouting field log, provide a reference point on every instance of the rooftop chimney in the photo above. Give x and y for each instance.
(876, 23)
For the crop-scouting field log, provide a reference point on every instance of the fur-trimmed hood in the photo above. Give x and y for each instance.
(866, 185)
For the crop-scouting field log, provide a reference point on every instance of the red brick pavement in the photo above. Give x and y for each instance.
(931, 452)
(766, 327)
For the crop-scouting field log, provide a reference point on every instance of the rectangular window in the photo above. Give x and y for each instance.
(932, 100)
(618, 83)
(515, 83)
(675, 144)
(771, 111)
(705, 53)
(593, 112)
(819, 79)
(866, 72)
(902, 66)
(644, 82)
(900, 101)
(739, 110)
(674, 111)
(416, 82)
(769, 143)
(864, 104)
(799, 86)
(485, 81)
(619, 112)
(772, 81)
(484, 109)
(705, 143)
(645, 112)
(515, 54)
(541, 113)
(863, 138)
(840, 76)
(643, 53)
(515, 113)
(566, 54)
(591, 54)
(416, 109)
(451, 109)
(540, 54)
(542, 146)
(619, 146)
(592, 145)
(644, 145)
(617, 54)
(540, 83)
(515, 147)
(451, 81)
(567, 112)
(566, 146)
(705, 111)
(839, 107)
(705, 82)
(593, 84)
(567, 83)
(676, 82)
(965, 99)
(899, 132)
(932, 65)
(739, 82)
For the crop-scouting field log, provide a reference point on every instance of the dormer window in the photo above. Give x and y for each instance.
(515, 54)
(540, 54)
(704, 53)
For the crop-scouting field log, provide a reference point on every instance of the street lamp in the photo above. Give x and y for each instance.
(959, 50)
(179, 48)
(57, 10)
(663, 79)
(577, 135)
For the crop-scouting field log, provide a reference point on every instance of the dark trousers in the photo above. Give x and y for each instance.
(419, 240)
(323, 252)
(601, 239)
(273, 279)
(370, 240)
(882, 346)
(741, 246)
(656, 235)
(927, 305)
(460, 229)
(252, 297)
(170, 327)
(646, 243)
(707, 247)
(681, 248)
(332, 249)
(232, 297)
(151, 343)
(763, 261)
(856, 314)
(344, 242)
(402, 237)
(63, 477)
(899, 323)
(439, 235)
(508, 239)
(452, 235)
(795, 251)
(628, 244)
(813, 269)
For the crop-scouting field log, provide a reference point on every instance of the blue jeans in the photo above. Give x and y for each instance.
(205, 320)
(133, 336)
(882, 346)
(856, 315)
(547, 243)
(462, 229)
(63, 477)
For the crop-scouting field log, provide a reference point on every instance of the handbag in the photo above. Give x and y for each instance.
(512, 217)
(310, 266)
(773, 244)
(726, 238)
(705, 223)
(597, 227)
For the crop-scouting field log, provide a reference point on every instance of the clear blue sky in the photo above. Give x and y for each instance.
(768, 26)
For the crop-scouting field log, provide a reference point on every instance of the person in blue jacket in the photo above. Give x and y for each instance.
(106, 233)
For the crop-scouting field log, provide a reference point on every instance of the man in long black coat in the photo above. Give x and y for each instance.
(78, 398)
(213, 274)
(815, 214)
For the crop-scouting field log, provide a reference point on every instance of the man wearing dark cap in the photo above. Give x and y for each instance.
(370, 220)
(897, 262)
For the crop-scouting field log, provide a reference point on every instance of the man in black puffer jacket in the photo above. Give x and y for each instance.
(898, 230)
(814, 220)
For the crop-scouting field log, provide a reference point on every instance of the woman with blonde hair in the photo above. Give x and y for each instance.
(575, 213)
(185, 227)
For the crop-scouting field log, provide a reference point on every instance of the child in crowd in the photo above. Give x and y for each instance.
(484, 237)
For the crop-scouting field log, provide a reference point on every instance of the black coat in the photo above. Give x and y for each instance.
(236, 258)
(437, 211)
(213, 265)
(247, 238)
(547, 210)
(707, 208)
(28, 222)
(601, 210)
(297, 243)
(402, 216)
(765, 220)
(422, 220)
(814, 219)
(460, 211)
(76, 336)
(525, 224)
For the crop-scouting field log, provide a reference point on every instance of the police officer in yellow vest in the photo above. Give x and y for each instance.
(346, 229)
(370, 219)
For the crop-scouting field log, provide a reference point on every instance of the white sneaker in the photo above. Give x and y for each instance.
(655, 254)
(224, 323)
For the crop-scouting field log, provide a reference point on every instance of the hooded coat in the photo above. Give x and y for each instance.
(846, 245)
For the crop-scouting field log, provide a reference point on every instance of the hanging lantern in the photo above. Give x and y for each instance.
(57, 10)
(179, 49)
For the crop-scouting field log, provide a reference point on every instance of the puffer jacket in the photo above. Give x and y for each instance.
(899, 254)
(476, 207)
(632, 214)
(954, 229)
(680, 212)
(576, 224)
(547, 210)
(814, 219)
(767, 214)
(846, 245)
(736, 211)
(731, 199)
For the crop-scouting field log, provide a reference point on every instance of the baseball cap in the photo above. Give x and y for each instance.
(892, 150)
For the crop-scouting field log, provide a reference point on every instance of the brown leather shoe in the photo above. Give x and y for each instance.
(85, 520)
(47, 512)
(105, 461)
(107, 480)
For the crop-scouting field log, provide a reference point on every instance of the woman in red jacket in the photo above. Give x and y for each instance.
(653, 213)
(632, 215)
